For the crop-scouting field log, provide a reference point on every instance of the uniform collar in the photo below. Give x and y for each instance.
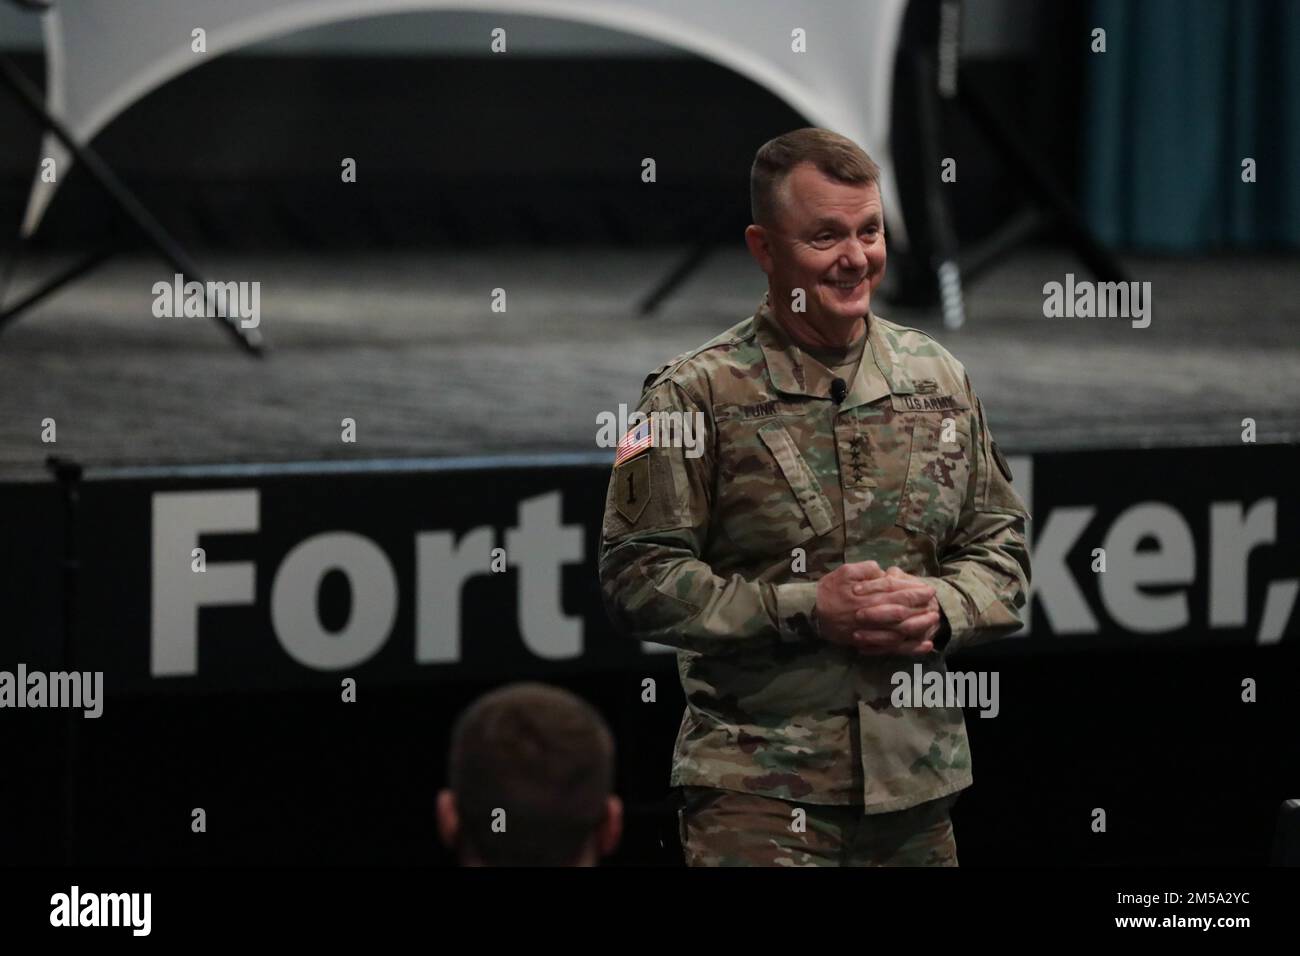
(795, 372)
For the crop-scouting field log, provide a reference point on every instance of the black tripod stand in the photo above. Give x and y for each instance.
(126, 202)
(926, 86)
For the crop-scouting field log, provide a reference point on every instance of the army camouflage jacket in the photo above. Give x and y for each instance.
(716, 550)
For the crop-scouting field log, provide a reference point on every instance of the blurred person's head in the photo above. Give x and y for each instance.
(546, 758)
(818, 226)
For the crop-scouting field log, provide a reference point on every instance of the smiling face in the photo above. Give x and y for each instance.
(829, 240)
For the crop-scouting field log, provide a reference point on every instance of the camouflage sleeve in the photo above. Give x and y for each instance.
(657, 517)
(984, 567)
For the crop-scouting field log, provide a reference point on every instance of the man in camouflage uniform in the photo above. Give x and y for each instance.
(845, 516)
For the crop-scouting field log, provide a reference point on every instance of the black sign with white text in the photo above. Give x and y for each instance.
(292, 576)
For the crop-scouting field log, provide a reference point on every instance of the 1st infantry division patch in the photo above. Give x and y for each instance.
(632, 488)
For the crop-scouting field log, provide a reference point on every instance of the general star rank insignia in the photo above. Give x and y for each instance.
(632, 488)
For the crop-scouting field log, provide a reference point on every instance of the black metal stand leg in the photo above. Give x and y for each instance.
(1043, 187)
(943, 237)
(980, 257)
(84, 267)
(125, 200)
(687, 265)
(68, 474)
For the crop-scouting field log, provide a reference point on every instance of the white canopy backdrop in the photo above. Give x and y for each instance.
(103, 55)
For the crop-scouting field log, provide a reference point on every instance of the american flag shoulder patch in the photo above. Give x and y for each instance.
(637, 440)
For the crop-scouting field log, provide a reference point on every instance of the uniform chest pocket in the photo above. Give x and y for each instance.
(938, 470)
(799, 476)
(770, 498)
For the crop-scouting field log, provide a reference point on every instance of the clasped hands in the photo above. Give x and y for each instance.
(877, 612)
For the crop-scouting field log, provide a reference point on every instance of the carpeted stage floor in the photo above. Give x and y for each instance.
(408, 347)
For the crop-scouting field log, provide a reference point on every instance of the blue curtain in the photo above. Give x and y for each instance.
(1185, 91)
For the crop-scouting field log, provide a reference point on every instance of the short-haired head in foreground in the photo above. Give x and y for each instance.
(546, 758)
